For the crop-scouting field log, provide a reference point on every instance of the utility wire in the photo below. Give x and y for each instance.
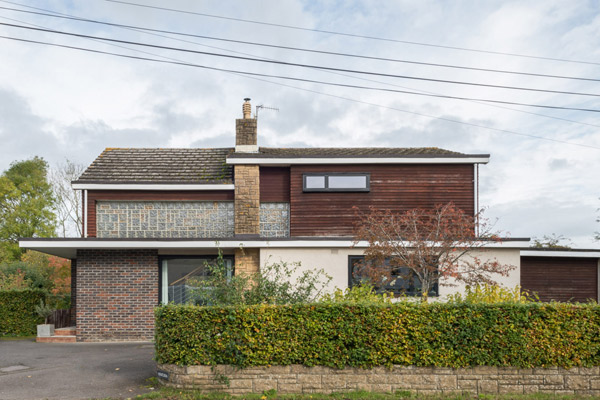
(351, 34)
(238, 52)
(307, 90)
(395, 60)
(311, 66)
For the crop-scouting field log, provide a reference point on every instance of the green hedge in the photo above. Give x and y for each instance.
(17, 312)
(339, 335)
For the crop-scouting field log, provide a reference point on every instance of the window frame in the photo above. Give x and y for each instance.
(326, 175)
(162, 258)
(435, 290)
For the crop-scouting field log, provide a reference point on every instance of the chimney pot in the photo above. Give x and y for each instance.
(247, 108)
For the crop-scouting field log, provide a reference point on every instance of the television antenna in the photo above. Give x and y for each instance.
(263, 107)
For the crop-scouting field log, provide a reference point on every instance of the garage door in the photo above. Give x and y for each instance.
(560, 278)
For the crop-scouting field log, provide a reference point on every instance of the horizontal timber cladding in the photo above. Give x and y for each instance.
(395, 187)
(560, 278)
(274, 184)
(156, 195)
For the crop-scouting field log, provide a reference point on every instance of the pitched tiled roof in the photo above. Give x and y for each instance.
(352, 152)
(207, 166)
(136, 165)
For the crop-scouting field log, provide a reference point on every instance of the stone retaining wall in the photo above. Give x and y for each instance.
(301, 379)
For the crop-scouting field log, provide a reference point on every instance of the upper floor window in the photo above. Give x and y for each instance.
(337, 182)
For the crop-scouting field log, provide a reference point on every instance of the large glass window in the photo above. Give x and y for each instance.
(336, 182)
(385, 278)
(180, 277)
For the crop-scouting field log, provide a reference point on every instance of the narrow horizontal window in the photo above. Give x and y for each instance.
(336, 182)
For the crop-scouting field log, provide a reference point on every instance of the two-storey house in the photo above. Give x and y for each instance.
(152, 217)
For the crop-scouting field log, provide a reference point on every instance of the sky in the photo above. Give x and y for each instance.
(543, 177)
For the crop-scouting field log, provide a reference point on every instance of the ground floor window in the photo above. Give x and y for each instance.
(180, 277)
(396, 279)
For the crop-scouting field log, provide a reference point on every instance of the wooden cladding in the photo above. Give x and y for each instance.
(395, 187)
(148, 195)
(560, 278)
(274, 184)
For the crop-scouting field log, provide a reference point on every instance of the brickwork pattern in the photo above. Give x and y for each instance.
(245, 132)
(247, 200)
(420, 380)
(247, 261)
(164, 219)
(275, 219)
(117, 291)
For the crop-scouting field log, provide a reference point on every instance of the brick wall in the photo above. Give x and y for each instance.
(247, 200)
(420, 380)
(116, 293)
(164, 219)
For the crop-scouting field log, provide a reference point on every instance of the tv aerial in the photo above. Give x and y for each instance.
(263, 107)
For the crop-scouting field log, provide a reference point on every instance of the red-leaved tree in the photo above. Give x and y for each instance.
(434, 246)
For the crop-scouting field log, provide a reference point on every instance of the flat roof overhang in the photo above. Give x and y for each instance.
(68, 247)
(569, 253)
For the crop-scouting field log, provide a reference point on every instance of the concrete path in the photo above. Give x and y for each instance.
(30, 370)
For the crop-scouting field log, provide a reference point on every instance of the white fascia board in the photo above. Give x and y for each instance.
(200, 244)
(376, 160)
(149, 186)
(574, 253)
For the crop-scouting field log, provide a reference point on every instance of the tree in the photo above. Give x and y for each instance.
(26, 205)
(68, 201)
(551, 241)
(427, 245)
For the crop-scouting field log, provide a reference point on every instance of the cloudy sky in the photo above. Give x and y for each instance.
(544, 173)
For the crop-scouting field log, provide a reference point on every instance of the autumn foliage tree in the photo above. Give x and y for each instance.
(433, 246)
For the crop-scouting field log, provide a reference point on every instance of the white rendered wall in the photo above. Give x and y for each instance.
(335, 263)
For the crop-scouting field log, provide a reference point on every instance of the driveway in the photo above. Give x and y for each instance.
(30, 370)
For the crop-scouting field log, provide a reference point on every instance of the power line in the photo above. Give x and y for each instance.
(352, 34)
(351, 55)
(307, 90)
(311, 66)
(330, 72)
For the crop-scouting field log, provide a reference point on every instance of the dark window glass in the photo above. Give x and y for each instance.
(180, 277)
(396, 279)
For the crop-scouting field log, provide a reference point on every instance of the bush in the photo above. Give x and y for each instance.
(367, 335)
(17, 312)
(276, 283)
(492, 294)
(362, 294)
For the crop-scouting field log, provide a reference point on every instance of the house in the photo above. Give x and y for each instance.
(152, 217)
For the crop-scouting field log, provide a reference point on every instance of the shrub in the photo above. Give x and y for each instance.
(491, 294)
(362, 294)
(17, 312)
(276, 283)
(367, 335)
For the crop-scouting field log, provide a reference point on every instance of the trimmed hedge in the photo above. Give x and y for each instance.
(339, 335)
(17, 312)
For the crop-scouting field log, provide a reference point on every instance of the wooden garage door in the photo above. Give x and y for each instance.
(560, 278)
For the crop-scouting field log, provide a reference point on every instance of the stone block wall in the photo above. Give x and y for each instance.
(247, 261)
(164, 219)
(420, 380)
(274, 219)
(246, 132)
(116, 292)
(247, 199)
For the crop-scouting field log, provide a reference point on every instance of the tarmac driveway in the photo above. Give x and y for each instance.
(30, 370)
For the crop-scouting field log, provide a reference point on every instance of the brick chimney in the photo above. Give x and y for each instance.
(245, 131)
